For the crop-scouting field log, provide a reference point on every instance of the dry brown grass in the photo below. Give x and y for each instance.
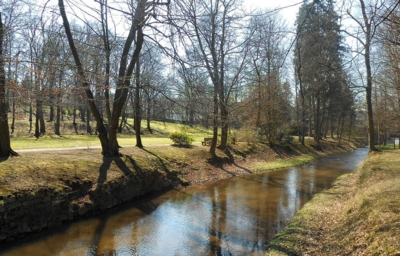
(360, 215)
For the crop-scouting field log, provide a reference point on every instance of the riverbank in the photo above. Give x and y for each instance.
(359, 215)
(43, 189)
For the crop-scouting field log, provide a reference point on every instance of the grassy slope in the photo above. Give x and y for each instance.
(360, 215)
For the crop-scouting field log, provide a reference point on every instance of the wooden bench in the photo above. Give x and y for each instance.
(206, 142)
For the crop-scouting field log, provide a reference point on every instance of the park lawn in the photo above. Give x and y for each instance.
(160, 136)
(359, 215)
(87, 141)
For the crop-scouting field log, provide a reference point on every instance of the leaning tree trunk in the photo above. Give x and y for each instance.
(103, 135)
(121, 93)
(5, 143)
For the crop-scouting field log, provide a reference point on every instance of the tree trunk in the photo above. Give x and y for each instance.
(13, 113)
(41, 119)
(88, 127)
(191, 112)
(317, 120)
(100, 128)
(302, 128)
(82, 110)
(341, 129)
(51, 117)
(37, 118)
(367, 46)
(5, 142)
(138, 118)
(215, 125)
(108, 140)
(327, 123)
(332, 128)
(123, 120)
(224, 125)
(58, 119)
(351, 124)
(30, 116)
(121, 93)
(338, 126)
(149, 114)
(74, 122)
(57, 124)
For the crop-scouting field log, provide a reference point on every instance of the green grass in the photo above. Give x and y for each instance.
(160, 136)
(387, 147)
(282, 163)
(81, 141)
(54, 142)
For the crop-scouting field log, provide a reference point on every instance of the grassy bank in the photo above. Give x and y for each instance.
(60, 169)
(359, 215)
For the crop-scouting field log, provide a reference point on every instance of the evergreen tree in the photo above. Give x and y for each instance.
(319, 71)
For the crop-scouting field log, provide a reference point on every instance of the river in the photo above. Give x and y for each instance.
(236, 216)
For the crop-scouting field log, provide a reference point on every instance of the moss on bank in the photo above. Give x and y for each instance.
(359, 215)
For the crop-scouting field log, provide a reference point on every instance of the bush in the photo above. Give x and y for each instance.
(181, 138)
(246, 134)
(288, 138)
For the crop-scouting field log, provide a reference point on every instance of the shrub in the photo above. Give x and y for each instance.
(284, 136)
(246, 134)
(181, 138)
(288, 138)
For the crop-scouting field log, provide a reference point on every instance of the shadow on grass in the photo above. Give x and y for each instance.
(181, 146)
(219, 162)
(285, 242)
(164, 166)
(105, 166)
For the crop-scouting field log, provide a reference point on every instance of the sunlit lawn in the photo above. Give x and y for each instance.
(160, 137)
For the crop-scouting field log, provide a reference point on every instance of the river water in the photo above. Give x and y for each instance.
(236, 216)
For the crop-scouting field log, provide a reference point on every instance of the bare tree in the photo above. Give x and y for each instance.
(270, 110)
(373, 14)
(213, 27)
(127, 64)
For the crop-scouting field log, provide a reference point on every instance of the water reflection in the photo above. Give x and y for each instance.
(231, 217)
